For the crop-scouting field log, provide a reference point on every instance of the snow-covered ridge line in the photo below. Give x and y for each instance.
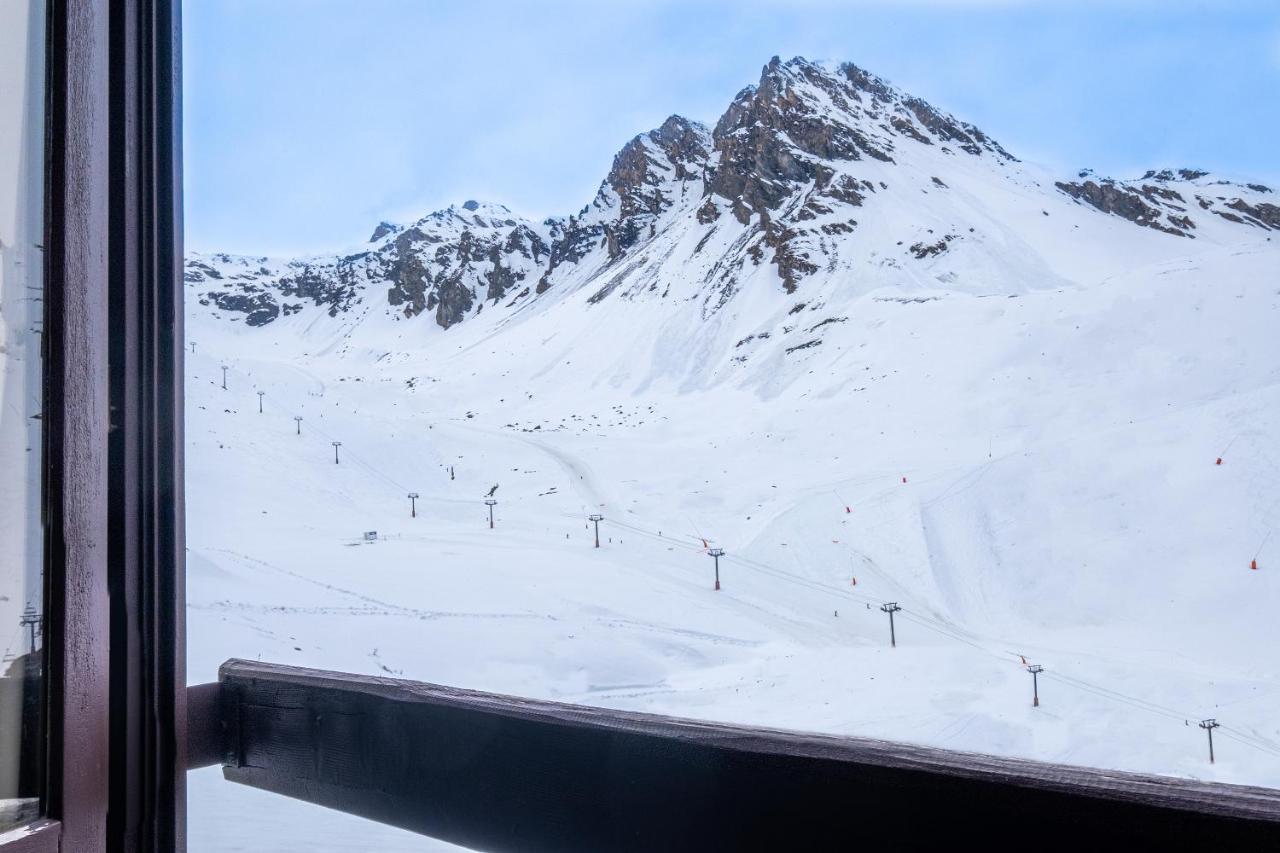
(819, 175)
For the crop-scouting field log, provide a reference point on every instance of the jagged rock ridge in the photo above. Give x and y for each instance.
(781, 183)
(1163, 200)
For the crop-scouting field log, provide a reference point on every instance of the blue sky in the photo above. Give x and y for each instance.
(308, 121)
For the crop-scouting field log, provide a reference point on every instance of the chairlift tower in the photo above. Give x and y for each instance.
(413, 504)
(716, 554)
(597, 518)
(1035, 669)
(1209, 726)
(891, 608)
(490, 502)
(31, 620)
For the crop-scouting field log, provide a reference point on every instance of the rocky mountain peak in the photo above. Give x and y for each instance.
(814, 172)
(651, 164)
(787, 129)
(384, 228)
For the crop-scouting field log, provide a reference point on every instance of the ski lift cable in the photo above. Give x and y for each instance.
(1228, 734)
(1244, 737)
(1256, 736)
(939, 628)
(8, 647)
(359, 460)
(1098, 688)
(922, 620)
(949, 632)
(1055, 675)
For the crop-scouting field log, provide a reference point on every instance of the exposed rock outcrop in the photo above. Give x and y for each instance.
(783, 180)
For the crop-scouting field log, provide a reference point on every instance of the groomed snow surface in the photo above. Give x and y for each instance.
(1061, 502)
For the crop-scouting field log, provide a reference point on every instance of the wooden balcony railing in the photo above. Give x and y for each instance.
(497, 772)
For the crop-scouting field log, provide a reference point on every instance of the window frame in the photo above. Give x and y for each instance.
(113, 775)
(555, 776)
(75, 407)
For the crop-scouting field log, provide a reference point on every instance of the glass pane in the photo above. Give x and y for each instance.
(584, 351)
(21, 310)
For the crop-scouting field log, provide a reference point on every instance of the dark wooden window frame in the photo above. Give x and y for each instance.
(113, 775)
(482, 770)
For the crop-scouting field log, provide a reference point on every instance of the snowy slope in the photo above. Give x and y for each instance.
(1013, 436)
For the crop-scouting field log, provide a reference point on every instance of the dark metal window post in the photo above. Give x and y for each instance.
(597, 518)
(716, 554)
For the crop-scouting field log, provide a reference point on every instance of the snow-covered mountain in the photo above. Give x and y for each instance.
(841, 334)
(817, 178)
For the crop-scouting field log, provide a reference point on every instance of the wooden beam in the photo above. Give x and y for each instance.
(206, 726)
(75, 424)
(502, 773)
(42, 836)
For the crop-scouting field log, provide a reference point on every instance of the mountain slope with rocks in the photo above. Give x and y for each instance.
(848, 338)
(819, 177)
